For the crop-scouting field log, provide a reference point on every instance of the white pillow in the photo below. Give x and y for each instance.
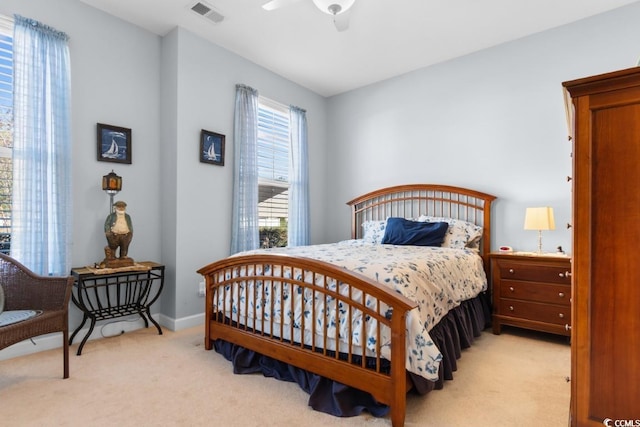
(460, 234)
(373, 231)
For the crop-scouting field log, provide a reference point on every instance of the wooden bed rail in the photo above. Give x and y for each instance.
(256, 301)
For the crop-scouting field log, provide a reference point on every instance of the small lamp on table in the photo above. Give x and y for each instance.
(539, 219)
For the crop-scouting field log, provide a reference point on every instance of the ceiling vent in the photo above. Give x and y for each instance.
(208, 12)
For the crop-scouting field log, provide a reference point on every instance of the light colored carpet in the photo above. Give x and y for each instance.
(145, 379)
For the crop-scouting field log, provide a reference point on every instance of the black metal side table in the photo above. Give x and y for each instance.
(111, 293)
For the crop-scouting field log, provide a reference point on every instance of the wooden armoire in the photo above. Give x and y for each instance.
(605, 336)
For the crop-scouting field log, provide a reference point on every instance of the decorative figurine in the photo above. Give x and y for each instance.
(119, 232)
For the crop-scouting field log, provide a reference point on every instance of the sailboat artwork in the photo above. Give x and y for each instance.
(114, 144)
(211, 152)
(112, 152)
(212, 147)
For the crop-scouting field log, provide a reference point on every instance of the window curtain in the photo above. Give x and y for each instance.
(570, 113)
(41, 216)
(245, 233)
(298, 230)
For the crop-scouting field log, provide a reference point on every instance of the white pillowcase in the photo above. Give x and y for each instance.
(460, 234)
(373, 231)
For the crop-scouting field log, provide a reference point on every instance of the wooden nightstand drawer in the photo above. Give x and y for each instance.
(534, 291)
(531, 291)
(535, 272)
(556, 314)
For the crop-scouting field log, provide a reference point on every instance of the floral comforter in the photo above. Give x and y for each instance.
(437, 278)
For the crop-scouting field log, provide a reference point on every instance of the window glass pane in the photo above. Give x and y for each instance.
(6, 131)
(273, 172)
(6, 90)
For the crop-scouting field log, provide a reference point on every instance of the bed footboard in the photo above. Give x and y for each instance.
(315, 316)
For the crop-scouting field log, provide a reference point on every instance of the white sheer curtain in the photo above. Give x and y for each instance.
(570, 113)
(245, 233)
(298, 230)
(42, 208)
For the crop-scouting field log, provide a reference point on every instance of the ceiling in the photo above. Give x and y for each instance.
(385, 38)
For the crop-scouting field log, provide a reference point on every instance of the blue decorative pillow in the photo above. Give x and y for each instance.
(400, 231)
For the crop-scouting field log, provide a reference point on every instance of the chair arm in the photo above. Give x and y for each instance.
(25, 290)
(47, 293)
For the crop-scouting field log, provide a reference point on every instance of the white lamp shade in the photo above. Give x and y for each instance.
(539, 219)
(326, 5)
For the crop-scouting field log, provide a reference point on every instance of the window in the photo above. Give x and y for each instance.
(273, 172)
(6, 131)
(37, 205)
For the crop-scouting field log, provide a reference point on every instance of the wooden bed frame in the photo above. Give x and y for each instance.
(317, 279)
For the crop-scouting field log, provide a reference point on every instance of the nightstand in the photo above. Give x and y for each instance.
(531, 291)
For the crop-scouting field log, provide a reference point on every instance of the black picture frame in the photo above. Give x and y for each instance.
(212, 147)
(114, 143)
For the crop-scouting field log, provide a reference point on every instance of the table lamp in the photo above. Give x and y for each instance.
(539, 219)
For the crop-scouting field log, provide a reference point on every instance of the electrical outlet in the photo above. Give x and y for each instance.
(201, 289)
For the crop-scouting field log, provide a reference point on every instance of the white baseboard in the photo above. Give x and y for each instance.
(35, 345)
(182, 323)
(102, 330)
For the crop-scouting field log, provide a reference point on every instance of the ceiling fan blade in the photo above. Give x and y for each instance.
(277, 4)
(341, 21)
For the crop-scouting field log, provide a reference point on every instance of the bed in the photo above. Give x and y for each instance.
(346, 330)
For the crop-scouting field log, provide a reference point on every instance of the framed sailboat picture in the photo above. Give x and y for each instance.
(114, 144)
(211, 147)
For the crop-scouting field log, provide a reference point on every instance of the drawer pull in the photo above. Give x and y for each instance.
(511, 271)
(567, 327)
(561, 294)
(511, 307)
(561, 315)
(511, 288)
(565, 274)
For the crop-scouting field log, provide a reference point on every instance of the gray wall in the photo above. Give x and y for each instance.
(198, 201)
(115, 80)
(166, 90)
(493, 120)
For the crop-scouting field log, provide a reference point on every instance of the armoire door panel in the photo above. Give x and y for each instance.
(605, 346)
(615, 238)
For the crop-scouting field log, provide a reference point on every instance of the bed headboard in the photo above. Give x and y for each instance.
(413, 200)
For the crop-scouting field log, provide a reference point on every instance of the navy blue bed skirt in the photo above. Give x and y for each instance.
(456, 331)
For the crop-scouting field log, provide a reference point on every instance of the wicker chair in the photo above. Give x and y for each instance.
(25, 290)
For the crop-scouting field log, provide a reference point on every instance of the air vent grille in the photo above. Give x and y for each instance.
(201, 9)
(207, 11)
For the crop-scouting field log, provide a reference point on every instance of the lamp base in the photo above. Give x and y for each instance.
(539, 242)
